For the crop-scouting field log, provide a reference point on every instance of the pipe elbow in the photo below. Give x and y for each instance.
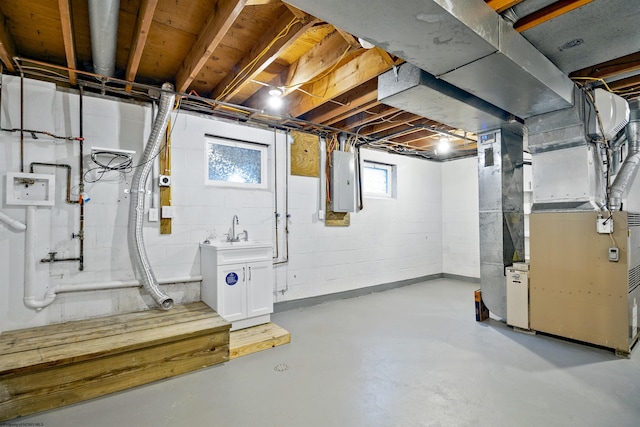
(39, 304)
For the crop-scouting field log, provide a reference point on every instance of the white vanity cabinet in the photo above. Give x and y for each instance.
(237, 281)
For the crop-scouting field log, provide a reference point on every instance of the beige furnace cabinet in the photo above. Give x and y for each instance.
(575, 290)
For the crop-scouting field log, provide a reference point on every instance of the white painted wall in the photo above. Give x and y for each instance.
(461, 236)
(389, 240)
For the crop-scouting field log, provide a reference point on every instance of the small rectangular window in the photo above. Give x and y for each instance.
(377, 179)
(235, 163)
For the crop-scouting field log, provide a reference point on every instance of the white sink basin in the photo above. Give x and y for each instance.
(240, 244)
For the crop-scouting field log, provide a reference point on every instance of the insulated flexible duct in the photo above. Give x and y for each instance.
(136, 208)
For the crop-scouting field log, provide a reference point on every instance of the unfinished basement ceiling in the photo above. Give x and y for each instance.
(234, 51)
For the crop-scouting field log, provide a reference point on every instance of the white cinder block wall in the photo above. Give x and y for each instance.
(460, 216)
(390, 240)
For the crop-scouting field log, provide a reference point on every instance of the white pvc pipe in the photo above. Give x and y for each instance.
(12, 223)
(31, 301)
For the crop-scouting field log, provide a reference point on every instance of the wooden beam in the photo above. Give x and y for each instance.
(548, 13)
(502, 5)
(351, 40)
(143, 24)
(262, 54)
(218, 23)
(261, 2)
(295, 11)
(610, 68)
(360, 95)
(344, 78)
(626, 84)
(66, 22)
(7, 45)
(358, 110)
(398, 120)
(366, 117)
(316, 61)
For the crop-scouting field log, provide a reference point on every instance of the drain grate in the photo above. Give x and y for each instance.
(281, 367)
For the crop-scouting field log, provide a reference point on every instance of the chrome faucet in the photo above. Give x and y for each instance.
(232, 236)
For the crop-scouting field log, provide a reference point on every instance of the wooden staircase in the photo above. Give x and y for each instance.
(51, 366)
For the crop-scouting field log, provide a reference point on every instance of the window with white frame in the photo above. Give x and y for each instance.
(235, 163)
(378, 179)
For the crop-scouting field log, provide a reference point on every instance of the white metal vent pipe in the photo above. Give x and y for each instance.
(103, 23)
(138, 191)
(12, 223)
(629, 169)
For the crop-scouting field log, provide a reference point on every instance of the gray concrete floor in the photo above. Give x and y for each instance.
(412, 356)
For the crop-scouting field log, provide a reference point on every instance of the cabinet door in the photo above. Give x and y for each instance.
(232, 291)
(259, 289)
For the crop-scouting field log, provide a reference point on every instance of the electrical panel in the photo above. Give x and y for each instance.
(343, 180)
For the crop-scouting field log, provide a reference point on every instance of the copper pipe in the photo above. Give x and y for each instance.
(58, 165)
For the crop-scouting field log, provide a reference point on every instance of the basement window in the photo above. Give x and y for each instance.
(234, 163)
(378, 179)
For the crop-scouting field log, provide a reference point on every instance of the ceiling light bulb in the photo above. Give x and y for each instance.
(275, 102)
(275, 92)
(444, 146)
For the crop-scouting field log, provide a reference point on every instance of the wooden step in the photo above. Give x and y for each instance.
(51, 366)
(257, 338)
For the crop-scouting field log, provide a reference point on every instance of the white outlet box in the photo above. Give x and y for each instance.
(604, 225)
(167, 212)
(153, 215)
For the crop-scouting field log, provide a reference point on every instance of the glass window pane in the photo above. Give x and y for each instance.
(376, 181)
(236, 163)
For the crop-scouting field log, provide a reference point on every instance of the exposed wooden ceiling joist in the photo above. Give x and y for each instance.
(7, 45)
(626, 84)
(345, 103)
(548, 13)
(611, 68)
(67, 36)
(143, 24)
(344, 78)
(354, 111)
(215, 28)
(261, 2)
(502, 5)
(389, 123)
(271, 45)
(316, 61)
(370, 115)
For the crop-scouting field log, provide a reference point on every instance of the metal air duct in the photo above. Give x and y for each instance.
(501, 209)
(629, 169)
(138, 192)
(103, 23)
(464, 43)
(411, 89)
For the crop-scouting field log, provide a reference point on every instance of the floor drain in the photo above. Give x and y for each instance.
(281, 367)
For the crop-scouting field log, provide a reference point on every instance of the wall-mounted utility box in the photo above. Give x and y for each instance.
(33, 189)
(343, 179)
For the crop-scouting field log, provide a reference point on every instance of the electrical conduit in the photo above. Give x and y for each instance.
(136, 208)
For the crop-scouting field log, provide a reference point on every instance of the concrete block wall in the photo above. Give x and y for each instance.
(389, 240)
(460, 216)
